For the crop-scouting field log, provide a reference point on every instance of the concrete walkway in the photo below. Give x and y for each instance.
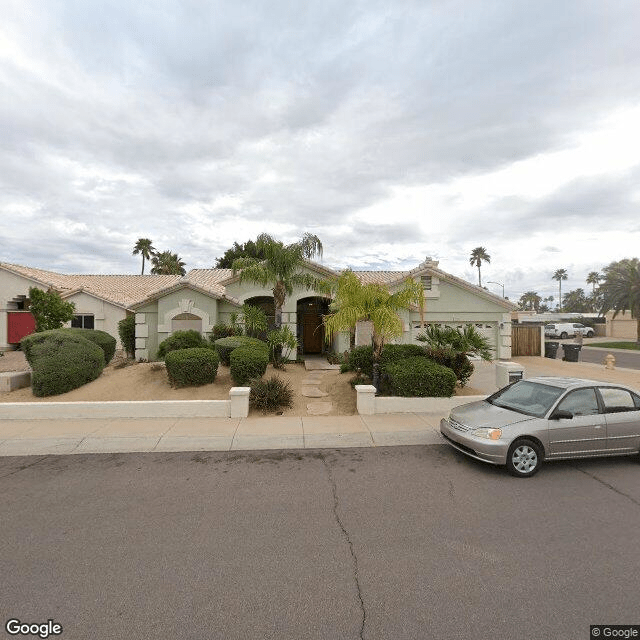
(43, 437)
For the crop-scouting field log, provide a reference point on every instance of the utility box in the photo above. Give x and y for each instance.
(507, 373)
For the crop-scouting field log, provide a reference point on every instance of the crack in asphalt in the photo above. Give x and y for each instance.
(23, 467)
(609, 486)
(348, 539)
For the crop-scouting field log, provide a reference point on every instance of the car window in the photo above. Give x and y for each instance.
(617, 400)
(582, 402)
(530, 398)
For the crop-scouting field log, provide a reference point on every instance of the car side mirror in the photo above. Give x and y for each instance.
(559, 414)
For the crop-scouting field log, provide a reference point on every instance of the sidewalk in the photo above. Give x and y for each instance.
(95, 435)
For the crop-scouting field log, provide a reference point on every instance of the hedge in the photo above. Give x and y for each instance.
(393, 353)
(61, 361)
(104, 340)
(458, 362)
(190, 339)
(191, 367)
(127, 333)
(362, 358)
(248, 362)
(224, 346)
(418, 377)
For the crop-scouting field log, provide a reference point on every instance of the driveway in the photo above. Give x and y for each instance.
(402, 543)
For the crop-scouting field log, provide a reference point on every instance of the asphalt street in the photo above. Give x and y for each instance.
(378, 543)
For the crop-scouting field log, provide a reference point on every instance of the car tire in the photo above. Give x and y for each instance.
(524, 458)
(564, 335)
(590, 334)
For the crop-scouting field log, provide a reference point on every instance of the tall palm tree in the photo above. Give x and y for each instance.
(530, 299)
(168, 264)
(145, 248)
(560, 275)
(281, 268)
(621, 290)
(355, 301)
(478, 255)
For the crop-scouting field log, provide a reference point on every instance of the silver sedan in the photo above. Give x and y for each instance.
(546, 418)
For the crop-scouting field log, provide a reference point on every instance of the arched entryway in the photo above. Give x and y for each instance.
(310, 325)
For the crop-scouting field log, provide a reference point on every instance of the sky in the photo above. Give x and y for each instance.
(391, 130)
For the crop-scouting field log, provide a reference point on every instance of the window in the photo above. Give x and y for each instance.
(582, 402)
(84, 321)
(617, 400)
(426, 282)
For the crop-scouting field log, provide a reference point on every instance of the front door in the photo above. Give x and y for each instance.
(312, 332)
(585, 433)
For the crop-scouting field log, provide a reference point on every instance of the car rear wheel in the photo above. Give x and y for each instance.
(524, 458)
(590, 334)
(564, 335)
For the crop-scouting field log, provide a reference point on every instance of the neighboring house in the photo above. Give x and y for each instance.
(204, 297)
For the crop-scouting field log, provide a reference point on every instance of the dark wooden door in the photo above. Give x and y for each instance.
(525, 341)
(312, 332)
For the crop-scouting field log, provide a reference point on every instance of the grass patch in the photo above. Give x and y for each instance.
(633, 346)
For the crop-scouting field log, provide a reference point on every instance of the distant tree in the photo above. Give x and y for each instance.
(576, 301)
(621, 290)
(593, 279)
(560, 275)
(49, 310)
(594, 299)
(478, 255)
(530, 300)
(145, 248)
(167, 264)
(247, 250)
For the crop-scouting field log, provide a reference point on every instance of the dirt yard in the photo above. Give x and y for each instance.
(148, 381)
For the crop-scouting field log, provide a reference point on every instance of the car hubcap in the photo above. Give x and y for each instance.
(524, 459)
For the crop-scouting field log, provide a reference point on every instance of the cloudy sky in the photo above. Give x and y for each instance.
(392, 130)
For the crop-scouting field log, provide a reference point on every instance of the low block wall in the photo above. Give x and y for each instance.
(12, 380)
(236, 407)
(368, 404)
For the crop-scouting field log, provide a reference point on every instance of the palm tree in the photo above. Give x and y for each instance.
(593, 279)
(478, 255)
(168, 264)
(281, 268)
(530, 299)
(560, 275)
(145, 248)
(355, 301)
(621, 290)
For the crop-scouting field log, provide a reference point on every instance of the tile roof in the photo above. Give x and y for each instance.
(380, 277)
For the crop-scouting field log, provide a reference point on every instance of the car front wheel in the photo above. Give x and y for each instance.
(564, 335)
(524, 458)
(590, 334)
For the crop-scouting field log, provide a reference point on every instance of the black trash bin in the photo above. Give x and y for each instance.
(551, 349)
(571, 352)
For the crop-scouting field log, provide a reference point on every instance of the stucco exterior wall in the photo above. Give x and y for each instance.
(105, 315)
(623, 326)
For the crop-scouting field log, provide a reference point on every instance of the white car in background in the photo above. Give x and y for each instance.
(567, 330)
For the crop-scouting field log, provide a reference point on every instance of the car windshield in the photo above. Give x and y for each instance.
(530, 398)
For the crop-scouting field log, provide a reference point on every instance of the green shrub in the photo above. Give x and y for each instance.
(224, 346)
(103, 339)
(362, 358)
(247, 363)
(418, 377)
(190, 339)
(127, 333)
(191, 367)
(61, 361)
(270, 395)
(223, 330)
(392, 353)
(458, 362)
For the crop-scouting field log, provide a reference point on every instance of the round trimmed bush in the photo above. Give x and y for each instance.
(362, 358)
(104, 340)
(191, 367)
(61, 362)
(181, 340)
(225, 346)
(418, 377)
(248, 363)
(392, 353)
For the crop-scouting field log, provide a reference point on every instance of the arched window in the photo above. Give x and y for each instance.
(185, 322)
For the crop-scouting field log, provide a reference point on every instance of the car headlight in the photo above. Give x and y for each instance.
(490, 434)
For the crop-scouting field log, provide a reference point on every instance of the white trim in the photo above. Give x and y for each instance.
(186, 305)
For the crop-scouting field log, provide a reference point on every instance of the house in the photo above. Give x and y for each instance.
(205, 297)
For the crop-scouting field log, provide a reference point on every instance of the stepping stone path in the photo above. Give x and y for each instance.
(316, 368)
